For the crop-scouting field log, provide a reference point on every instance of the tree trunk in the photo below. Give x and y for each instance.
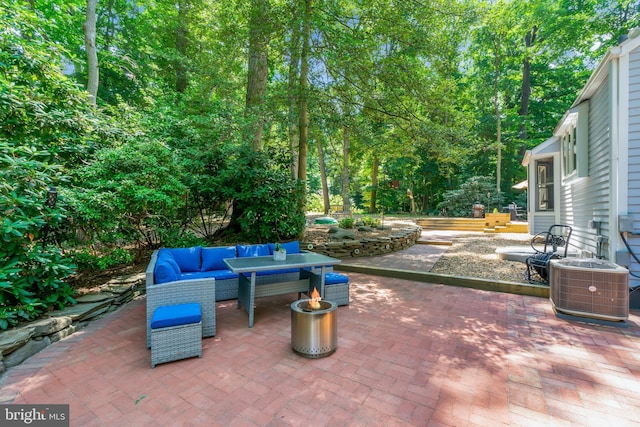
(294, 76)
(411, 200)
(304, 76)
(346, 202)
(523, 112)
(258, 68)
(182, 33)
(89, 28)
(374, 184)
(496, 106)
(257, 72)
(323, 178)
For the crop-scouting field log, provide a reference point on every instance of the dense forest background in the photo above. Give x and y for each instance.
(174, 122)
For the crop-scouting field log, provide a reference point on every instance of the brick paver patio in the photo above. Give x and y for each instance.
(408, 354)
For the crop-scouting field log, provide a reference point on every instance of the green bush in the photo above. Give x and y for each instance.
(129, 193)
(31, 272)
(268, 203)
(346, 222)
(370, 222)
(46, 124)
(459, 203)
(315, 203)
(85, 260)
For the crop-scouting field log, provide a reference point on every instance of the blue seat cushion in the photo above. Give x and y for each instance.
(335, 278)
(188, 259)
(253, 250)
(175, 315)
(216, 274)
(164, 272)
(290, 247)
(212, 258)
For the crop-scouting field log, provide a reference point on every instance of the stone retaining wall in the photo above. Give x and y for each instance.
(404, 238)
(17, 345)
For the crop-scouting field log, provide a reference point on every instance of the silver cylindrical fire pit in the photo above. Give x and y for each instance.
(314, 333)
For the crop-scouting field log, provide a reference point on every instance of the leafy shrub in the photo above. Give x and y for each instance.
(117, 256)
(207, 208)
(176, 238)
(314, 202)
(31, 272)
(85, 260)
(346, 222)
(130, 193)
(370, 222)
(45, 124)
(459, 203)
(267, 200)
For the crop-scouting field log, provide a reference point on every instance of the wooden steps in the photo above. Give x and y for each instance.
(492, 223)
(459, 224)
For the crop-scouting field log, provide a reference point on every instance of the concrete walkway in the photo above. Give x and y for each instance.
(409, 354)
(419, 257)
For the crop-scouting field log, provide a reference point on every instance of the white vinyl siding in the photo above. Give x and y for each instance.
(634, 154)
(543, 222)
(587, 198)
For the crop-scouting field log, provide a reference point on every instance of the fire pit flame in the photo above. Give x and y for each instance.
(314, 302)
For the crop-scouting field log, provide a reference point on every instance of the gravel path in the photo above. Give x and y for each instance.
(474, 255)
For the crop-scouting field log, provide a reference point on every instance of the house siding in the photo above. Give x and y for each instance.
(543, 222)
(587, 198)
(634, 155)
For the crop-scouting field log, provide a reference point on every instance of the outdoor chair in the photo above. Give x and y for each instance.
(336, 288)
(176, 333)
(547, 245)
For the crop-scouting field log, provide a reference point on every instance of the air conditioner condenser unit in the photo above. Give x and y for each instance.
(589, 287)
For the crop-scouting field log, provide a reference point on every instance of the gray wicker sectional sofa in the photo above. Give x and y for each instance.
(177, 264)
(199, 275)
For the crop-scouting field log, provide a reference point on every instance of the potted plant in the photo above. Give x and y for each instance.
(279, 253)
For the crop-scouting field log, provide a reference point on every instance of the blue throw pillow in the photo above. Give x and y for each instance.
(291, 247)
(165, 256)
(212, 258)
(164, 273)
(188, 259)
(253, 250)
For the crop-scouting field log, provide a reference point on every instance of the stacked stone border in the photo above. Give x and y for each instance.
(17, 345)
(402, 239)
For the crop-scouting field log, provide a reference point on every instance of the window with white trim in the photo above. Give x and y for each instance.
(544, 185)
(569, 149)
(573, 132)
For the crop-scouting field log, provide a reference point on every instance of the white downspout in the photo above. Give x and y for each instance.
(619, 101)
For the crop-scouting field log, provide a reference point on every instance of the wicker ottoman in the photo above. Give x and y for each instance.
(336, 288)
(176, 333)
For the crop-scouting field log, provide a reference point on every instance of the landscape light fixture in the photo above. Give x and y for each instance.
(52, 197)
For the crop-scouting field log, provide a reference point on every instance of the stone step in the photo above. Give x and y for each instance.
(434, 242)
